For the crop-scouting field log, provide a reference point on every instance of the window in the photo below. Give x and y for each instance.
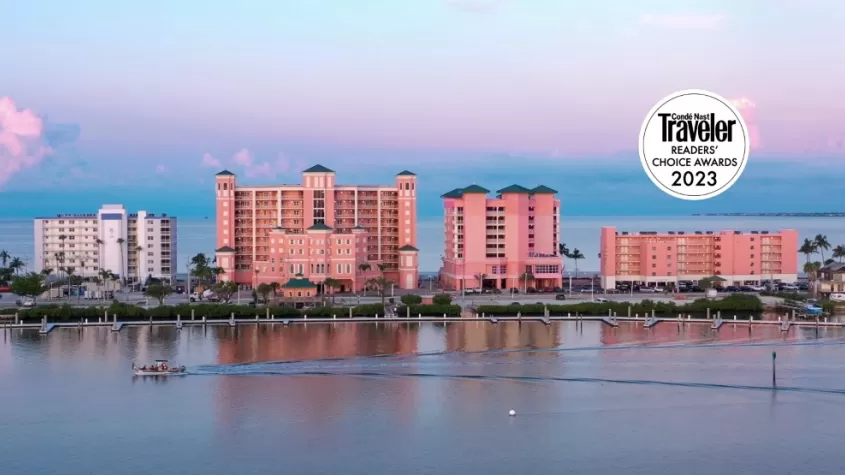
(653, 266)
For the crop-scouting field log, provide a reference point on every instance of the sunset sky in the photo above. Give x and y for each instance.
(143, 100)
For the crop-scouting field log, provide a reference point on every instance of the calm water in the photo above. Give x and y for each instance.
(427, 399)
(197, 235)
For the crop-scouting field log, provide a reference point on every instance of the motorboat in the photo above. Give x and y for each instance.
(159, 368)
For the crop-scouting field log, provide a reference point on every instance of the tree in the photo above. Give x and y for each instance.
(480, 278)
(122, 274)
(138, 249)
(46, 271)
(100, 255)
(441, 299)
(264, 290)
(60, 261)
(202, 271)
(364, 267)
(69, 270)
(16, 265)
(331, 284)
(275, 286)
(29, 285)
(4, 257)
(225, 290)
(158, 292)
(216, 272)
(821, 244)
(812, 271)
(575, 255)
(381, 284)
(525, 278)
(808, 248)
(839, 252)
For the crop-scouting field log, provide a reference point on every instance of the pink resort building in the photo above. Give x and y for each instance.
(741, 258)
(510, 241)
(304, 234)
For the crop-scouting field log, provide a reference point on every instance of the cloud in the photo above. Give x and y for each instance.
(747, 109)
(161, 169)
(209, 161)
(22, 141)
(699, 21)
(475, 6)
(244, 161)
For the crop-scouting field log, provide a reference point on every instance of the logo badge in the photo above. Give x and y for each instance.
(694, 145)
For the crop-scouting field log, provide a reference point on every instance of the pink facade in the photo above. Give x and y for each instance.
(510, 241)
(740, 258)
(319, 229)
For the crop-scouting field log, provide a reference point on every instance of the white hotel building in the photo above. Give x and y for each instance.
(110, 239)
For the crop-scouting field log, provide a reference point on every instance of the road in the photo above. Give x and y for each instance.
(137, 298)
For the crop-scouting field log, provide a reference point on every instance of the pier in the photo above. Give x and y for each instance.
(45, 327)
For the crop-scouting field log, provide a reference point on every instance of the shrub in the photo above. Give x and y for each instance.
(411, 299)
(429, 310)
(367, 310)
(442, 299)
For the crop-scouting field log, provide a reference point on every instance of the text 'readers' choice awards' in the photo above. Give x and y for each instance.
(694, 144)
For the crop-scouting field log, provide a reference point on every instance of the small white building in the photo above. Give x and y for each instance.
(133, 246)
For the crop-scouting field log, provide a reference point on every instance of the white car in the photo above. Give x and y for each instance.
(788, 287)
(601, 300)
(757, 288)
(651, 290)
(838, 297)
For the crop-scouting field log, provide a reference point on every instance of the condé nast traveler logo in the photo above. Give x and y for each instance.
(694, 144)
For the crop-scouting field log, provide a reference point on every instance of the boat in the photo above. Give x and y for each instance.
(159, 368)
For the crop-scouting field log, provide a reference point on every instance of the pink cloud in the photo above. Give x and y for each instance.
(161, 169)
(245, 162)
(21, 140)
(210, 161)
(698, 21)
(747, 109)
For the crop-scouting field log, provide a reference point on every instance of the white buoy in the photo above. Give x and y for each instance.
(512, 413)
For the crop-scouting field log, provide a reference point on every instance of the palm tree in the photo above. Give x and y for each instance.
(364, 267)
(808, 248)
(839, 252)
(812, 271)
(120, 242)
(4, 257)
(82, 274)
(100, 256)
(275, 286)
(380, 283)
(138, 249)
(60, 260)
(331, 284)
(46, 271)
(69, 272)
(480, 278)
(575, 255)
(525, 278)
(16, 265)
(822, 244)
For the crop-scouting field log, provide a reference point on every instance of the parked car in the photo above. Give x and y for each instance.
(601, 300)
(560, 297)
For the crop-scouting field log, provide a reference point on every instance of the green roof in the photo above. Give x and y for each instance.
(299, 282)
(543, 189)
(318, 169)
(514, 189)
(319, 227)
(225, 173)
(225, 249)
(406, 173)
(359, 227)
(475, 189)
(408, 247)
(456, 193)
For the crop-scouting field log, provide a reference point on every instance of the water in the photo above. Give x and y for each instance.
(427, 399)
(198, 235)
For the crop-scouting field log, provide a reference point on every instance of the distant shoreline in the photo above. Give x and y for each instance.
(776, 215)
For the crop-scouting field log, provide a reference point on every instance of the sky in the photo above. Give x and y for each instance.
(142, 102)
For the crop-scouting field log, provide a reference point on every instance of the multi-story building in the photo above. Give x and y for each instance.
(510, 241)
(659, 258)
(319, 229)
(132, 246)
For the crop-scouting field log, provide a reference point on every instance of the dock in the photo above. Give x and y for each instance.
(44, 327)
(607, 320)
